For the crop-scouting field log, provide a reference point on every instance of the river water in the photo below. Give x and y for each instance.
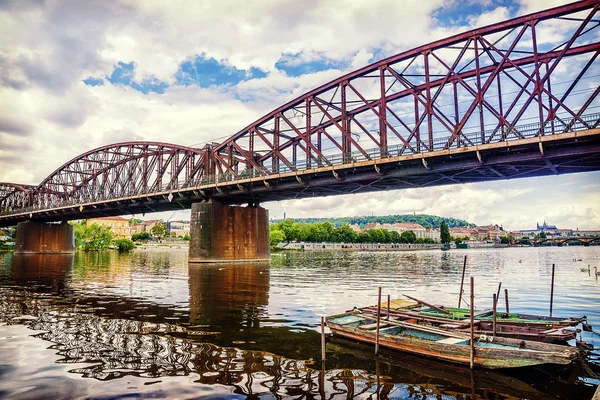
(148, 325)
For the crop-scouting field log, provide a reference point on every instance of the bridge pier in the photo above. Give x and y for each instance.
(221, 233)
(40, 237)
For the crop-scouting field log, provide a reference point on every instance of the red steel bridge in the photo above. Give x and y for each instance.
(514, 99)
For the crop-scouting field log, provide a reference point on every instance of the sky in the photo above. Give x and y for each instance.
(76, 75)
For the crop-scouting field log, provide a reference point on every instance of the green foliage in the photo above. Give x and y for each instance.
(140, 236)
(276, 236)
(506, 239)
(425, 220)
(92, 237)
(445, 233)
(326, 232)
(186, 237)
(541, 235)
(125, 244)
(159, 230)
(408, 237)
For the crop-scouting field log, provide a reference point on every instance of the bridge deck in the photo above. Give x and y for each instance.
(537, 156)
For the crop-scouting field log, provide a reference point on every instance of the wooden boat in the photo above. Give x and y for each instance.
(513, 325)
(490, 352)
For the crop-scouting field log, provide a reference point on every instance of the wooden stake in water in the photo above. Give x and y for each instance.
(378, 321)
(552, 290)
(506, 298)
(498, 293)
(494, 315)
(388, 314)
(462, 281)
(472, 361)
(323, 339)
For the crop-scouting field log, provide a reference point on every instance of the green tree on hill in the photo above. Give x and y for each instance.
(444, 233)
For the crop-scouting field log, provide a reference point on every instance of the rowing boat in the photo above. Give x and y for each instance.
(489, 351)
(512, 325)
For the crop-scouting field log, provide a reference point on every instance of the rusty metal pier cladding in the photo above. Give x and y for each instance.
(40, 237)
(504, 101)
(221, 233)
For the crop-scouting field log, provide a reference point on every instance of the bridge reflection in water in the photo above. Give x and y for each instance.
(224, 342)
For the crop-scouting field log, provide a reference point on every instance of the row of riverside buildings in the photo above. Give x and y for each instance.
(490, 232)
(481, 233)
(123, 228)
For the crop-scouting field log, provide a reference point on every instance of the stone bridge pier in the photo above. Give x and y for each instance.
(222, 233)
(41, 237)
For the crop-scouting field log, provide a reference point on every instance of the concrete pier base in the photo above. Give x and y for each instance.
(220, 233)
(39, 237)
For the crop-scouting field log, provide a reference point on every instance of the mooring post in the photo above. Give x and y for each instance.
(472, 361)
(552, 290)
(494, 315)
(506, 298)
(378, 320)
(498, 293)
(323, 339)
(462, 281)
(388, 313)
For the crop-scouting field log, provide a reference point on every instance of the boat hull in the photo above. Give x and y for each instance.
(487, 355)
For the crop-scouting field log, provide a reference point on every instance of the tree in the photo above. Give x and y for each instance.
(408, 237)
(344, 234)
(275, 237)
(444, 233)
(92, 237)
(140, 236)
(125, 244)
(159, 230)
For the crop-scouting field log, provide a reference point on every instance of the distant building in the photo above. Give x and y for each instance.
(545, 227)
(178, 228)
(586, 233)
(145, 226)
(119, 226)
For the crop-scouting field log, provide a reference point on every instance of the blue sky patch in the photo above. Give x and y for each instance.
(290, 64)
(458, 16)
(91, 81)
(123, 75)
(207, 72)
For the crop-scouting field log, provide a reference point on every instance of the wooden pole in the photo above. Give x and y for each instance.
(388, 314)
(494, 315)
(427, 304)
(378, 321)
(462, 281)
(472, 361)
(323, 339)
(506, 298)
(498, 293)
(552, 290)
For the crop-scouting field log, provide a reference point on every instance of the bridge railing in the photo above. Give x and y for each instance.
(555, 126)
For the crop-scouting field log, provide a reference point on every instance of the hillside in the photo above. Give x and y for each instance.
(423, 219)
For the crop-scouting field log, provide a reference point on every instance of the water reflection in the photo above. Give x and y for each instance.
(43, 272)
(234, 294)
(250, 329)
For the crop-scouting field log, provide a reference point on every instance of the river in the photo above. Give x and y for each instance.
(148, 325)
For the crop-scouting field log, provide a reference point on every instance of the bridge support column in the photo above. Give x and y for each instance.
(39, 237)
(221, 233)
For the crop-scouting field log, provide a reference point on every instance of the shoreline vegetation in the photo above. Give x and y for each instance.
(290, 231)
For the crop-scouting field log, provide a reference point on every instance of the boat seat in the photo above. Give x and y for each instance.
(451, 340)
(373, 326)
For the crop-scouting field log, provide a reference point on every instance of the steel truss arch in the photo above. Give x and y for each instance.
(121, 170)
(486, 85)
(14, 196)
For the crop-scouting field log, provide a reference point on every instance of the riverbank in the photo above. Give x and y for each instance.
(306, 246)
